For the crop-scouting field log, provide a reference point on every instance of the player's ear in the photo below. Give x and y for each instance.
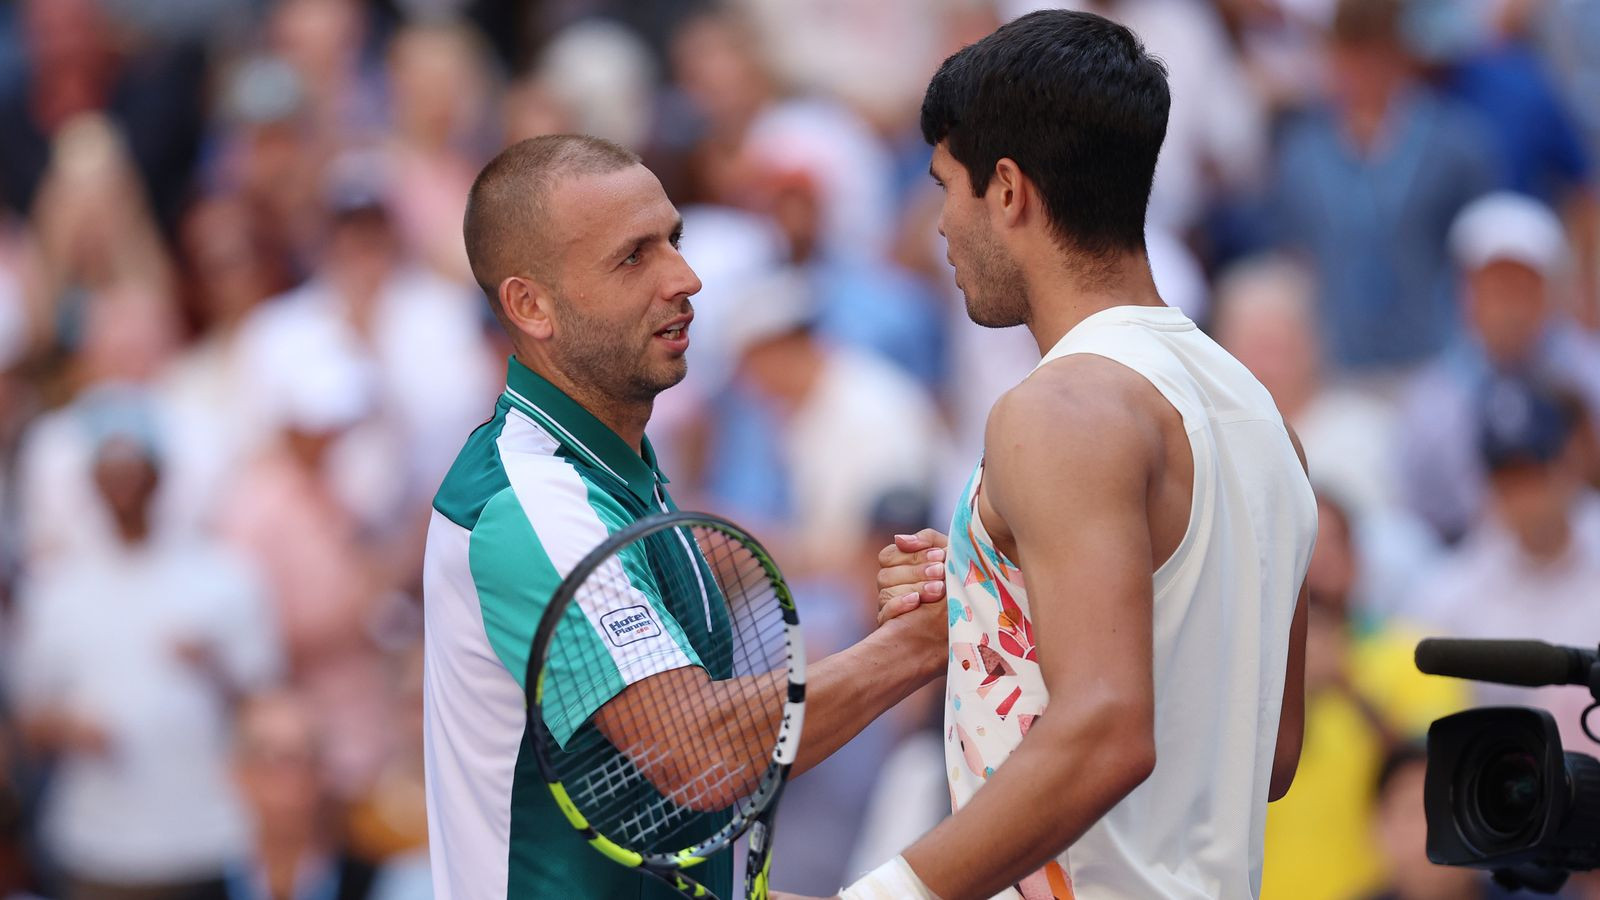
(1009, 194)
(527, 306)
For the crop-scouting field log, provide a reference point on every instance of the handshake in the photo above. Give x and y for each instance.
(911, 573)
(910, 578)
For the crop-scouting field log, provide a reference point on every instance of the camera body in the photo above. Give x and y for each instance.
(1500, 792)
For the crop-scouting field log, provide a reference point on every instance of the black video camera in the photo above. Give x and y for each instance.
(1500, 793)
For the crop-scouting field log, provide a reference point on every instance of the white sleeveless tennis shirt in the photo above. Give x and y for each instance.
(1223, 604)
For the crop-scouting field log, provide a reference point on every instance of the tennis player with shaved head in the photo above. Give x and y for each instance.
(1118, 719)
(575, 245)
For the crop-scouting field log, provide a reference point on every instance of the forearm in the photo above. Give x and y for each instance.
(42, 733)
(49, 734)
(1004, 834)
(845, 692)
(733, 722)
(736, 720)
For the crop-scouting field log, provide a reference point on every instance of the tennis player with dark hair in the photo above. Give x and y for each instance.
(1118, 721)
(576, 246)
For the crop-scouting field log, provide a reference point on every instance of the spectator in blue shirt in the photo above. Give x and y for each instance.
(1367, 186)
(1535, 129)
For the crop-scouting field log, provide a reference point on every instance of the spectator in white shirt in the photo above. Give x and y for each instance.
(821, 430)
(126, 663)
(420, 334)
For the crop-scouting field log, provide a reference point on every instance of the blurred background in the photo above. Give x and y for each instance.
(239, 345)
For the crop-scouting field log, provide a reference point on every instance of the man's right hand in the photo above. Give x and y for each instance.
(911, 573)
(921, 638)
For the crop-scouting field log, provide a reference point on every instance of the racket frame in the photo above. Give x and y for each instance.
(758, 818)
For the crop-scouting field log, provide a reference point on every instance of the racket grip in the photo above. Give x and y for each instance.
(759, 862)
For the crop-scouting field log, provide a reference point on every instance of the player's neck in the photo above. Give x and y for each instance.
(626, 418)
(1059, 300)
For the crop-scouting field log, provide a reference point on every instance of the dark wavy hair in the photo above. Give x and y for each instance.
(1077, 103)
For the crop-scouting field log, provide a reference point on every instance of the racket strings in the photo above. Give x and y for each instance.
(679, 768)
(757, 640)
(759, 631)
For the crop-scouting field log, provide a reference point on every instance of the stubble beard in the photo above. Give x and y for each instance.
(590, 354)
(996, 292)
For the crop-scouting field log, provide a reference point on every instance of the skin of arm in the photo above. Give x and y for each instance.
(1064, 441)
(50, 733)
(900, 582)
(739, 717)
(1292, 718)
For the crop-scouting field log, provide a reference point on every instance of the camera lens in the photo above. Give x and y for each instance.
(1508, 792)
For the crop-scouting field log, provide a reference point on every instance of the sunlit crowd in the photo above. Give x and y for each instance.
(240, 346)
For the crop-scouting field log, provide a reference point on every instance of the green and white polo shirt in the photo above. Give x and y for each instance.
(535, 489)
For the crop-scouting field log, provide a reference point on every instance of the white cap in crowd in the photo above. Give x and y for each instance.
(776, 305)
(1508, 227)
(326, 393)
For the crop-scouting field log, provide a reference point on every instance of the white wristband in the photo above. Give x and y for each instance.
(893, 880)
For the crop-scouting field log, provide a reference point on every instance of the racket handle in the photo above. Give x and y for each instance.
(758, 868)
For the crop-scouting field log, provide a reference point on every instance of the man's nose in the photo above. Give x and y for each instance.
(683, 281)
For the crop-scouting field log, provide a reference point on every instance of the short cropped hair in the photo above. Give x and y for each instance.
(507, 222)
(1077, 103)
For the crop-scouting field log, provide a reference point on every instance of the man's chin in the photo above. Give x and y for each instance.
(678, 376)
(985, 318)
(989, 317)
(670, 374)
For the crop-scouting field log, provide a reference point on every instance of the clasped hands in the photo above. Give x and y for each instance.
(911, 572)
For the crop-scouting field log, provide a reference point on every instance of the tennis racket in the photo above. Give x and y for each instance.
(684, 761)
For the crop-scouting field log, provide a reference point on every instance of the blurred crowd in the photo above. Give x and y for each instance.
(239, 345)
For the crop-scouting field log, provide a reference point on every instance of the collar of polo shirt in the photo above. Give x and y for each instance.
(581, 433)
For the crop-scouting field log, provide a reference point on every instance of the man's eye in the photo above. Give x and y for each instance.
(632, 259)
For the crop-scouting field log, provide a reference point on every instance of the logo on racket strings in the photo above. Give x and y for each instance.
(634, 623)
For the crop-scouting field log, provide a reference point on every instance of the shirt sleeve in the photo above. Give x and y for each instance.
(618, 632)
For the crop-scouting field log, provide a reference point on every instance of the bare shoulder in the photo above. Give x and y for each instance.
(1083, 415)
(1081, 402)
